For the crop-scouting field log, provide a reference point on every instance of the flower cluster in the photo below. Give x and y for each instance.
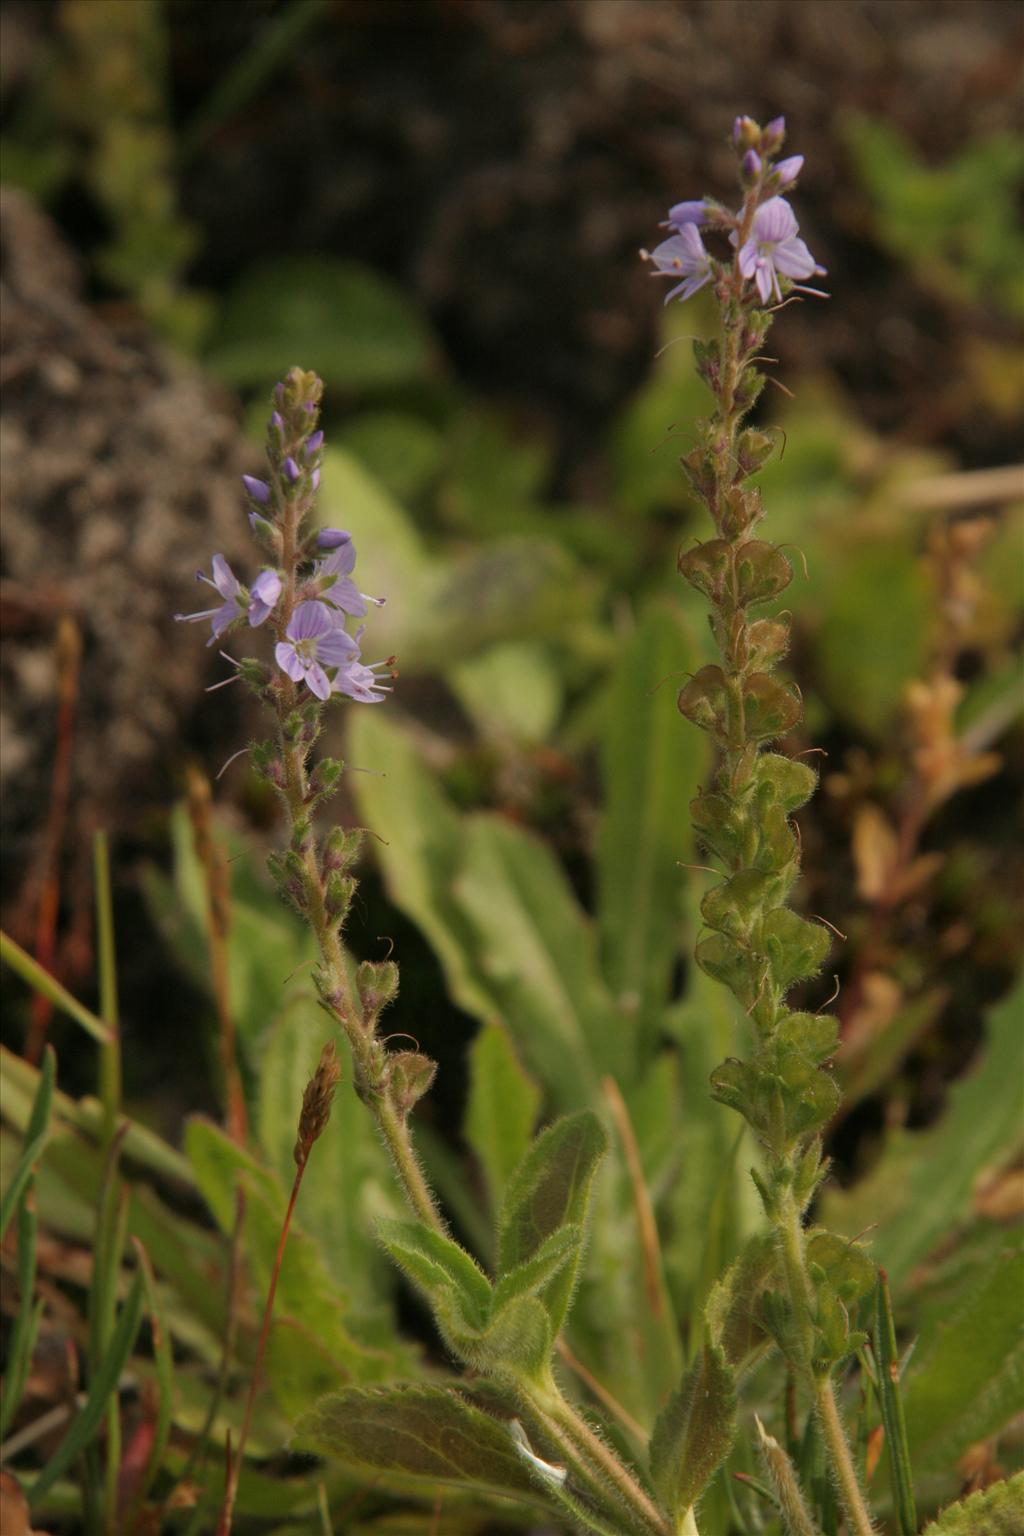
(307, 593)
(770, 253)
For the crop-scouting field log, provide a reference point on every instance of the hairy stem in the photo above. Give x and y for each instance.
(572, 1432)
(791, 1245)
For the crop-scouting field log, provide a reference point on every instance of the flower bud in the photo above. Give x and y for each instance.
(332, 538)
(788, 170)
(772, 135)
(751, 165)
(745, 133)
(259, 490)
(292, 472)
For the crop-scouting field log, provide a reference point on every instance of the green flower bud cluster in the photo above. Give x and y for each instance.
(753, 942)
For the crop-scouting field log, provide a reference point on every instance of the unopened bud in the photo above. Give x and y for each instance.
(745, 133)
(377, 985)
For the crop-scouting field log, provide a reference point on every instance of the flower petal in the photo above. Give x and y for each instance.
(317, 681)
(284, 655)
(309, 621)
(774, 220)
(224, 578)
(793, 259)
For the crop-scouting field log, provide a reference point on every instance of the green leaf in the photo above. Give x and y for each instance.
(40, 980)
(874, 634)
(538, 952)
(420, 850)
(966, 1378)
(995, 1511)
(439, 1268)
(101, 1388)
(732, 1313)
(306, 1290)
(922, 1185)
(36, 1136)
(426, 1433)
(517, 1342)
(404, 453)
(164, 1358)
(348, 1183)
(890, 1402)
(651, 769)
(512, 690)
(502, 1108)
(694, 1432)
(549, 1190)
(534, 1273)
(349, 325)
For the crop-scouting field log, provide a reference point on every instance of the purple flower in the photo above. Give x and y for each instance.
(314, 642)
(276, 421)
(361, 683)
(231, 590)
(291, 469)
(263, 594)
(331, 538)
(342, 591)
(259, 490)
(751, 164)
(315, 441)
(693, 212)
(788, 170)
(773, 249)
(682, 255)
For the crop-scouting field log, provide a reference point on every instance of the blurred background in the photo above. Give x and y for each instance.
(438, 204)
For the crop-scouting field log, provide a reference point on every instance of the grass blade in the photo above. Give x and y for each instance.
(890, 1402)
(102, 1386)
(164, 1358)
(110, 1053)
(36, 1134)
(26, 1323)
(41, 981)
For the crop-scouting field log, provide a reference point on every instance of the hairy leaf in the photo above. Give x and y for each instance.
(439, 1268)
(694, 1431)
(421, 1432)
(995, 1511)
(549, 1190)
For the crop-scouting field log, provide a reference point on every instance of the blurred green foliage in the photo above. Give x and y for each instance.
(558, 637)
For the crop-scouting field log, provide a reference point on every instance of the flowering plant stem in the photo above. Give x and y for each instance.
(756, 946)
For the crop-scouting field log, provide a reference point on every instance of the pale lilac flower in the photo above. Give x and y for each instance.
(745, 132)
(314, 442)
(314, 641)
(693, 212)
(259, 490)
(314, 478)
(342, 591)
(231, 590)
(276, 421)
(682, 255)
(789, 170)
(751, 164)
(330, 538)
(263, 595)
(361, 682)
(774, 248)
